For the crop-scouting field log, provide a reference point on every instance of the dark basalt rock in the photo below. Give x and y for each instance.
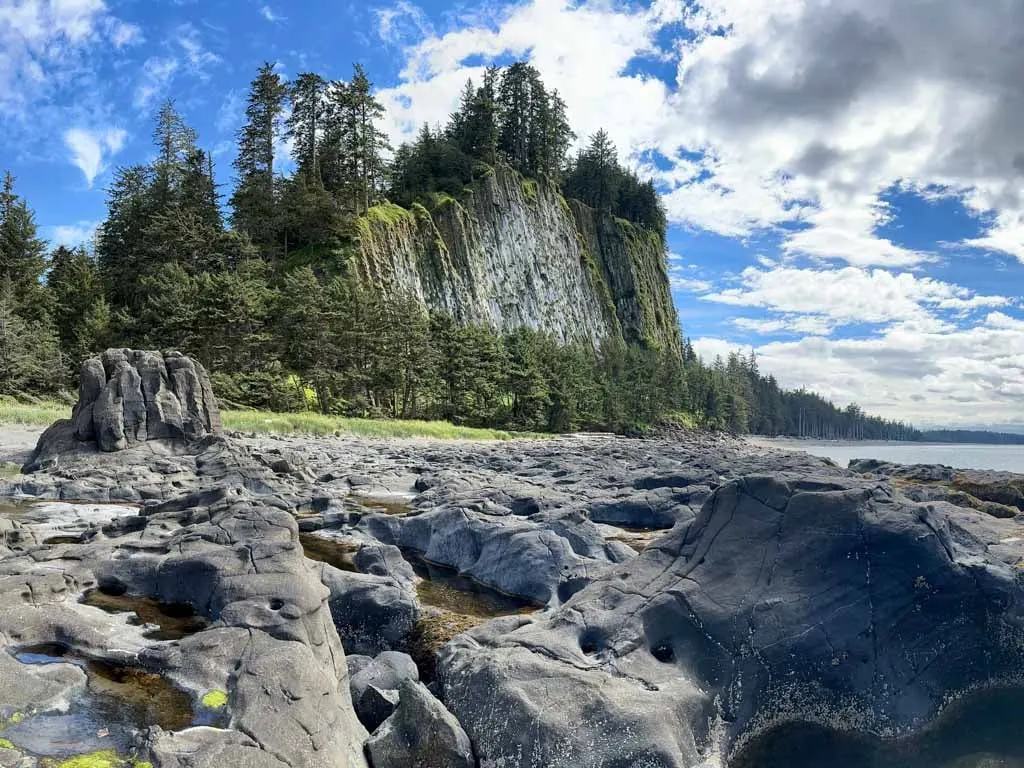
(830, 600)
(127, 397)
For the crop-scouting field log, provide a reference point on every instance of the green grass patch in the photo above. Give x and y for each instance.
(388, 213)
(7, 469)
(40, 414)
(309, 423)
(264, 422)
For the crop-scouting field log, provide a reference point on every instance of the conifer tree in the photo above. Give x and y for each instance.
(305, 124)
(22, 253)
(254, 201)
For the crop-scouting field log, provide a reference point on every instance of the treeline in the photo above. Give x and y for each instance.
(264, 298)
(733, 395)
(511, 117)
(970, 436)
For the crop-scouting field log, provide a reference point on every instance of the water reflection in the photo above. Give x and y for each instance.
(118, 703)
(445, 588)
(169, 622)
(986, 730)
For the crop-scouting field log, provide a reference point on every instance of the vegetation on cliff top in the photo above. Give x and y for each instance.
(273, 297)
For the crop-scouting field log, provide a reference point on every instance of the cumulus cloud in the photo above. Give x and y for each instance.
(852, 295)
(90, 149)
(960, 377)
(73, 235)
(798, 111)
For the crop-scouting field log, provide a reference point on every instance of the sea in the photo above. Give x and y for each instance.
(1007, 458)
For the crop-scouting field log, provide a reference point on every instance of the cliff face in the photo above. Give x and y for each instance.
(514, 253)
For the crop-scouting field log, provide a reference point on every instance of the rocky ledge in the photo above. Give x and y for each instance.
(581, 601)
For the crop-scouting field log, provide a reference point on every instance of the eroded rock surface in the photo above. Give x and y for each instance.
(685, 597)
(823, 599)
(127, 397)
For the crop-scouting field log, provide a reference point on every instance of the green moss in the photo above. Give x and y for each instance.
(421, 213)
(104, 759)
(142, 764)
(388, 213)
(530, 190)
(6, 744)
(215, 700)
(16, 718)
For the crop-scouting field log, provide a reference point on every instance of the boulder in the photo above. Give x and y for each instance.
(127, 397)
(420, 734)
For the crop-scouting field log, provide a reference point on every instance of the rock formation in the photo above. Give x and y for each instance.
(827, 600)
(126, 397)
(513, 253)
(764, 589)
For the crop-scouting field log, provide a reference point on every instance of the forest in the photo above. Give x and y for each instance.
(256, 286)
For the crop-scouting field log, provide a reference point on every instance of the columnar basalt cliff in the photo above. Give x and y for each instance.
(514, 253)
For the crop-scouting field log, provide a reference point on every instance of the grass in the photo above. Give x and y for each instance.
(262, 422)
(41, 414)
(309, 423)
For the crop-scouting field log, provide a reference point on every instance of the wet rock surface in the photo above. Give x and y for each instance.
(582, 601)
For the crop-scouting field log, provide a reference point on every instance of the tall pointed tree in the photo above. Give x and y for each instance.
(22, 252)
(253, 201)
(305, 123)
(366, 143)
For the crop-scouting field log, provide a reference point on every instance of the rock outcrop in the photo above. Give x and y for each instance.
(827, 600)
(512, 252)
(691, 601)
(127, 397)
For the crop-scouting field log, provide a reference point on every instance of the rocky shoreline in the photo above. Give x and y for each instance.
(579, 601)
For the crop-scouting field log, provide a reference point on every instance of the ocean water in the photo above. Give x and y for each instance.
(1008, 458)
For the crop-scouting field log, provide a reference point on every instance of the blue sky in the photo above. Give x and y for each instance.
(844, 183)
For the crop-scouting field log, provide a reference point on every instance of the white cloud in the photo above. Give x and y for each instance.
(682, 277)
(90, 149)
(959, 377)
(853, 295)
(801, 111)
(581, 50)
(157, 73)
(800, 325)
(270, 15)
(198, 58)
(232, 112)
(43, 44)
(72, 235)
(401, 22)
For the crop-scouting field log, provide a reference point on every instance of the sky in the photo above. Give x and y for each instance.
(844, 179)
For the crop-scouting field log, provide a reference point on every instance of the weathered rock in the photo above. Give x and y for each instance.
(420, 734)
(128, 397)
(827, 600)
(372, 613)
(387, 672)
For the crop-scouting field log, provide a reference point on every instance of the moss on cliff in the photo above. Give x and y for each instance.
(514, 251)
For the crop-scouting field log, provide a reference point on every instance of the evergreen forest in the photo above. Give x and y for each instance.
(253, 281)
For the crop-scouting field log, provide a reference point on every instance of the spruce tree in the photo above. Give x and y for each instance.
(22, 253)
(254, 201)
(305, 124)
